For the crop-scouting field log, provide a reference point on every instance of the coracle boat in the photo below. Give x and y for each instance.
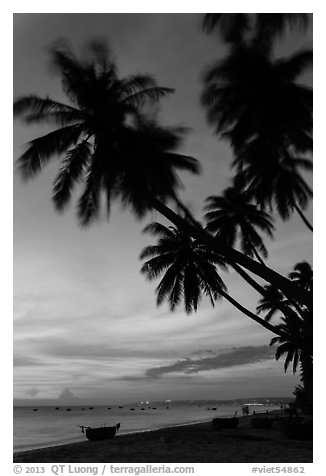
(101, 433)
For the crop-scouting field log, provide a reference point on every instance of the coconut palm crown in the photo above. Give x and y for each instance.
(273, 178)
(232, 217)
(261, 28)
(249, 94)
(189, 268)
(302, 275)
(296, 344)
(105, 139)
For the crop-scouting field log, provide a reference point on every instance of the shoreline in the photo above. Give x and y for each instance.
(126, 433)
(192, 442)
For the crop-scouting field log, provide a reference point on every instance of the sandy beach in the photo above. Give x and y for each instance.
(197, 443)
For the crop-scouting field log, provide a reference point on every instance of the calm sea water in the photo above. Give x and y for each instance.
(48, 426)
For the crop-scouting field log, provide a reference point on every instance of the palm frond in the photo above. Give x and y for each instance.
(71, 171)
(43, 148)
(88, 204)
(149, 95)
(157, 229)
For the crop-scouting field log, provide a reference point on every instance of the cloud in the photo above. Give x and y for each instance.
(225, 359)
(67, 396)
(32, 392)
(24, 361)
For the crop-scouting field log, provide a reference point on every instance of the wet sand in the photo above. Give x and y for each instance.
(197, 443)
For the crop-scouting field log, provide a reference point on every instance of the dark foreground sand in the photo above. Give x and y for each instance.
(197, 443)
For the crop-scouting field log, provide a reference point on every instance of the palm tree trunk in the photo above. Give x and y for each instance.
(262, 290)
(307, 377)
(249, 279)
(250, 314)
(261, 261)
(304, 219)
(234, 256)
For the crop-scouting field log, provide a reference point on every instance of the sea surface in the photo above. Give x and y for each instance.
(48, 426)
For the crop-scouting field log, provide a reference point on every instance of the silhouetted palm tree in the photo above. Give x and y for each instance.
(106, 141)
(303, 275)
(296, 344)
(232, 218)
(272, 302)
(249, 94)
(257, 103)
(272, 179)
(188, 266)
(290, 343)
(260, 27)
(189, 271)
(114, 149)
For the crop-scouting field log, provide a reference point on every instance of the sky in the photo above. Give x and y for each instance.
(86, 326)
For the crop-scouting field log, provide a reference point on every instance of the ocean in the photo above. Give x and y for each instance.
(49, 426)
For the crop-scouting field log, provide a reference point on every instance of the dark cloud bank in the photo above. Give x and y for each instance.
(225, 359)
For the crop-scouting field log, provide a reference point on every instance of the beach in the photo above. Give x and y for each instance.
(196, 443)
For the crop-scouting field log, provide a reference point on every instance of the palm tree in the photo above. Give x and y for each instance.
(232, 218)
(293, 342)
(256, 103)
(106, 141)
(189, 267)
(112, 147)
(273, 180)
(272, 302)
(249, 94)
(190, 270)
(296, 343)
(302, 275)
(259, 27)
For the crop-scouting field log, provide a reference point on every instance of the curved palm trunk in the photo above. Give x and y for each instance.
(261, 261)
(304, 219)
(307, 377)
(250, 314)
(234, 256)
(253, 283)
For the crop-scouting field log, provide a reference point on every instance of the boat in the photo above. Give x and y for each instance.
(101, 433)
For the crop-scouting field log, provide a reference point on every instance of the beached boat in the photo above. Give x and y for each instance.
(101, 433)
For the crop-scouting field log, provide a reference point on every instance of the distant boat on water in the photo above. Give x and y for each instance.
(57, 408)
(120, 407)
(91, 408)
(35, 409)
(68, 409)
(132, 409)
